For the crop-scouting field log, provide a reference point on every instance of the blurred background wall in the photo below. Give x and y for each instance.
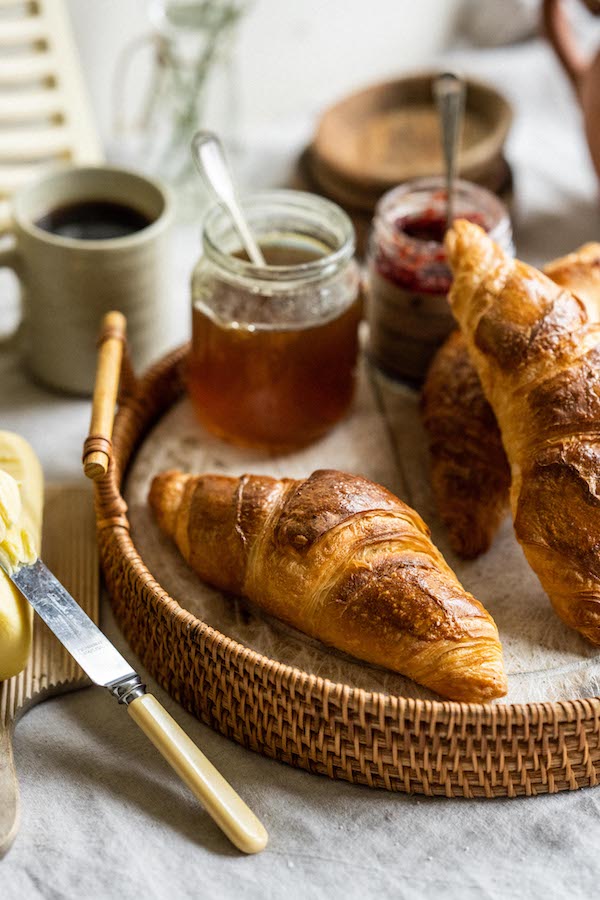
(293, 55)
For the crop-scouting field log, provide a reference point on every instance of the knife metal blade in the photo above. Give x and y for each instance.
(98, 658)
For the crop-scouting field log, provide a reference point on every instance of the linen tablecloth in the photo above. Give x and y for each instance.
(102, 814)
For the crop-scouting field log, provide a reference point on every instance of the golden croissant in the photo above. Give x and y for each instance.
(343, 560)
(470, 476)
(536, 349)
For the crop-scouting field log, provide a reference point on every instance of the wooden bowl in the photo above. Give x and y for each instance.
(349, 194)
(389, 133)
(360, 207)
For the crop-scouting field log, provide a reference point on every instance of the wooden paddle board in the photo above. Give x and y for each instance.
(69, 549)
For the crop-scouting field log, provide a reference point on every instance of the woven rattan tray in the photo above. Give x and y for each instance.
(391, 742)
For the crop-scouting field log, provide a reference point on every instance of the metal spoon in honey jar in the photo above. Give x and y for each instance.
(449, 92)
(209, 157)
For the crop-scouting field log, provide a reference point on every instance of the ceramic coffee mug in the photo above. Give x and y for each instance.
(69, 283)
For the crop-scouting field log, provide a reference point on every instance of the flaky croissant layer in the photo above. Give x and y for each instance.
(536, 348)
(343, 560)
(470, 475)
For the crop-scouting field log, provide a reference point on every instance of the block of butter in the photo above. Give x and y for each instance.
(18, 461)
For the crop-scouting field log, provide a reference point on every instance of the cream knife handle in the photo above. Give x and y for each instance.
(217, 796)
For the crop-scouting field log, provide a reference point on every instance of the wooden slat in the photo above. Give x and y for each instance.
(61, 45)
(22, 31)
(26, 8)
(29, 144)
(13, 177)
(42, 90)
(24, 106)
(27, 68)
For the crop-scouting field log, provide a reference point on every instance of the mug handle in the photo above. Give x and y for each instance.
(560, 34)
(9, 259)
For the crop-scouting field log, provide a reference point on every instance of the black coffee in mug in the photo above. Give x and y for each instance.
(93, 220)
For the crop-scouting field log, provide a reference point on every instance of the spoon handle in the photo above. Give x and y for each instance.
(449, 93)
(247, 238)
(208, 154)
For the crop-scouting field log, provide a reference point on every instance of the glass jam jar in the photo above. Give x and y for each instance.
(408, 276)
(274, 348)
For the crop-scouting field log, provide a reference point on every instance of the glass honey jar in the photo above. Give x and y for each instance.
(274, 348)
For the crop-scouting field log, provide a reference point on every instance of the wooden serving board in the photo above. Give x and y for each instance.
(70, 551)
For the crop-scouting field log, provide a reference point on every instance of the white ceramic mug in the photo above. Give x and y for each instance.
(69, 283)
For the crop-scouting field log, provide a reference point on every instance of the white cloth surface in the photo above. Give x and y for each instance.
(102, 815)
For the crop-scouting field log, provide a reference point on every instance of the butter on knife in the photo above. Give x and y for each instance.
(17, 544)
(21, 503)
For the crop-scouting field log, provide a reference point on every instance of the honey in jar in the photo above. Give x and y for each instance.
(274, 349)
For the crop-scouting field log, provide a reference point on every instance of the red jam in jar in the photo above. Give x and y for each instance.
(408, 276)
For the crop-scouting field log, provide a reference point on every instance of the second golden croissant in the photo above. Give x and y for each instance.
(343, 560)
(470, 476)
(536, 348)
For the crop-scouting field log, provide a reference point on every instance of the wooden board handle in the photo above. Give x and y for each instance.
(219, 799)
(97, 447)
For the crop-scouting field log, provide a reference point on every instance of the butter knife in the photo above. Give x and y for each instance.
(103, 663)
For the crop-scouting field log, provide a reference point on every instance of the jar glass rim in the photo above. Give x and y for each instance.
(326, 218)
(391, 204)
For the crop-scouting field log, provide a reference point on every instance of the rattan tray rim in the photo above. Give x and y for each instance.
(138, 410)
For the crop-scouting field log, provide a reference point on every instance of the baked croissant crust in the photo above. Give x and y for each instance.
(579, 273)
(470, 476)
(343, 560)
(537, 353)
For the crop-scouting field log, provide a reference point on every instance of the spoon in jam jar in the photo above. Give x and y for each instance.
(209, 157)
(449, 93)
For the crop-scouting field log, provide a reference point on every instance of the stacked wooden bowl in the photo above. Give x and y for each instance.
(388, 133)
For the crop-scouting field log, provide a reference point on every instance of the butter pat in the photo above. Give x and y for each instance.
(21, 500)
(17, 548)
(17, 545)
(10, 503)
